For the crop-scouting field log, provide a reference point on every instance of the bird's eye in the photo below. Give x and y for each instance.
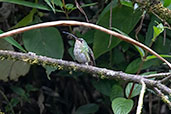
(81, 40)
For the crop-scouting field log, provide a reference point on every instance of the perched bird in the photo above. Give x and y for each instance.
(82, 52)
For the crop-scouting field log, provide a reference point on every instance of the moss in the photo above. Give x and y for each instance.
(70, 72)
(60, 67)
(2, 58)
(102, 76)
(35, 61)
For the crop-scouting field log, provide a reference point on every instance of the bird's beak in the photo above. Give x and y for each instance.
(76, 38)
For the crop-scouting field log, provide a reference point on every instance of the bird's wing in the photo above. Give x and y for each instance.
(92, 57)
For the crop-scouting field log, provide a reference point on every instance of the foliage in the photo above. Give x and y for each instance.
(74, 91)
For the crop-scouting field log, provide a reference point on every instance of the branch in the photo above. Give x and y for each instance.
(67, 65)
(165, 79)
(140, 101)
(72, 23)
(163, 97)
(159, 75)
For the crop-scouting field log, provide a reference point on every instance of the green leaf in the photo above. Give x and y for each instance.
(123, 18)
(48, 2)
(13, 42)
(13, 102)
(160, 48)
(29, 4)
(49, 70)
(30, 87)
(103, 86)
(87, 109)
(136, 90)
(127, 3)
(140, 50)
(134, 65)
(157, 31)
(69, 6)
(122, 105)
(117, 57)
(117, 91)
(106, 9)
(149, 34)
(167, 3)
(45, 41)
(154, 57)
(19, 91)
(26, 20)
(58, 3)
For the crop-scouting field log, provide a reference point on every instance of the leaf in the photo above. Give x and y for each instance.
(26, 20)
(48, 2)
(157, 31)
(19, 91)
(134, 65)
(13, 103)
(30, 87)
(127, 3)
(103, 86)
(154, 57)
(9, 69)
(124, 19)
(106, 9)
(29, 4)
(13, 42)
(58, 3)
(49, 70)
(87, 109)
(167, 3)
(140, 50)
(69, 6)
(160, 48)
(136, 90)
(118, 59)
(149, 34)
(117, 91)
(45, 41)
(122, 105)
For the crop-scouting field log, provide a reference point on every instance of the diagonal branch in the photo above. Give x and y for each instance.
(72, 23)
(67, 65)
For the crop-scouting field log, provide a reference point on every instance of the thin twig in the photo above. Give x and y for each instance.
(81, 10)
(72, 23)
(140, 101)
(140, 26)
(165, 79)
(159, 75)
(110, 23)
(150, 103)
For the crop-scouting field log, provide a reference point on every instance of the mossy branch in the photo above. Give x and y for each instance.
(60, 64)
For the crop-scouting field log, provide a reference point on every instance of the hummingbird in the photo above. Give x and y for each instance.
(82, 52)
